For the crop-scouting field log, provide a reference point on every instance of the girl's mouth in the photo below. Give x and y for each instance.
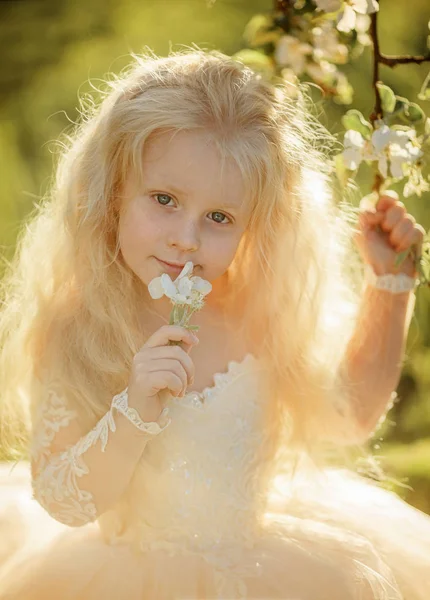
(172, 268)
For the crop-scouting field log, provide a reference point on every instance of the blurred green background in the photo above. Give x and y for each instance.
(54, 51)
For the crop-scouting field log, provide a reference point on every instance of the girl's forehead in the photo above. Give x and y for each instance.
(188, 163)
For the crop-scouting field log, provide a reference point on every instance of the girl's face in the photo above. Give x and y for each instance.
(186, 210)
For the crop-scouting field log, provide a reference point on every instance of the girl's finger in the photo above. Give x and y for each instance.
(370, 219)
(392, 216)
(171, 333)
(401, 235)
(172, 365)
(414, 236)
(418, 235)
(388, 199)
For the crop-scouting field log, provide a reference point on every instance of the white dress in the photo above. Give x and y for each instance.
(196, 522)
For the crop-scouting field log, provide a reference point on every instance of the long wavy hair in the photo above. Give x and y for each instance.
(70, 302)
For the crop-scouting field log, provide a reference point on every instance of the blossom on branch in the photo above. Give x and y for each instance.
(396, 151)
(348, 11)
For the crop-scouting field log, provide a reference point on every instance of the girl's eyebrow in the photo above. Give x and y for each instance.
(180, 192)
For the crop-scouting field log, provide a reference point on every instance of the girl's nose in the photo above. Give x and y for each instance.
(185, 238)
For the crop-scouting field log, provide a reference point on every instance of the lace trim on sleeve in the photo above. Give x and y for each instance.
(56, 486)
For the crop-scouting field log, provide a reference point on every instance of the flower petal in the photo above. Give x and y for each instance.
(383, 165)
(353, 139)
(352, 158)
(201, 285)
(187, 269)
(381, 137)
(168, 286)
(347, 21)
(184, 286)
(155, 288)
(365, 6)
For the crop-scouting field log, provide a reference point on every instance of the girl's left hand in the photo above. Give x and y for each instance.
(384, 232)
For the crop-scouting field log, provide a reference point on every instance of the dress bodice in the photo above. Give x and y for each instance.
(198, 478)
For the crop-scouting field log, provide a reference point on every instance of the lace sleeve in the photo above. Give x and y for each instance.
(77, 477)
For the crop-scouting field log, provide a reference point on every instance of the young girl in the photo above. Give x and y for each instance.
(227, 489)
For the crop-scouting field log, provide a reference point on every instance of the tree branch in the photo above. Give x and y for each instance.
(387, 60)
(377, 110)
(394, 60)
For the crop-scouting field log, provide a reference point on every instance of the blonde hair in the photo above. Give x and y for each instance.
(70, 301)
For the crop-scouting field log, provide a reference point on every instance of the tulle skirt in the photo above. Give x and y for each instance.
(348, 541)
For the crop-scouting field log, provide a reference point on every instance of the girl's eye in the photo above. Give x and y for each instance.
(162, 196)
(167, 198)
(223, 216)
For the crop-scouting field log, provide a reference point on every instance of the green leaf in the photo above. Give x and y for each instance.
(257, 31)
(388, 97)
(414, 112)
(354, 120)
(425, 89)
(401, 257)
(401, 104)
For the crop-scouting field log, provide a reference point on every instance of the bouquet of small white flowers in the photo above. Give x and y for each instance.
(186, 294)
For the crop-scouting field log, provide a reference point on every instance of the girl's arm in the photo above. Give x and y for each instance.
(77, 477)
(375, 353)
(374, 357)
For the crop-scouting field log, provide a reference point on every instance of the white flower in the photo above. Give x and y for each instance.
(416, 183)
(362, 25)
(365, 7)
(381, 137)
(396, 145)
(353, 153)
(321, 72)
(386, 144)
(348, 17)
(346, 22)
(184, 290)
(326, 43)
(400, 157)
(292, 52)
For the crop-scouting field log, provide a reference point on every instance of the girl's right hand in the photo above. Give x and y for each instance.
(159, 366)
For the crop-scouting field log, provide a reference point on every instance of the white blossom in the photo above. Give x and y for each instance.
(353, 153)
(393, 149)
(401, 157)
(184, 290)
(348, 10)
(326, 43)
(416, 183)
(362, 25)
(292, 52)
(365, 7)
(347, 19)
(321, 72)
(381, 137)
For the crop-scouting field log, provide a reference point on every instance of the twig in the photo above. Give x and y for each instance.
(393, 60)
(387, 60)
